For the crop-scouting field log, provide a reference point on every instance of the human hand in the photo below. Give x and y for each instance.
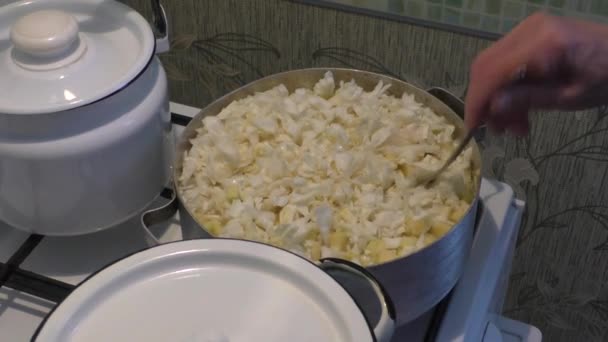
(546, 62)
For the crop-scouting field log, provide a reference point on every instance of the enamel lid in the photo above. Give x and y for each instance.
(61, 54)
(211, 290)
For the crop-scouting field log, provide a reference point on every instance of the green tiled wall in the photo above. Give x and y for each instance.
(493, 16)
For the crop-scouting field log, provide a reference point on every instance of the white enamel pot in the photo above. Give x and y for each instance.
(85, 131)
(218, 290)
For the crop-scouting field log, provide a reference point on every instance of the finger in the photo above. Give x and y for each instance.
(510, 103)
(520, 128)
(496, 128)
(492, 76)
(509, 110)
(525, 97)
(497, 67)
(516, 121)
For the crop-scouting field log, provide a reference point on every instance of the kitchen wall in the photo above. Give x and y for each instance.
(561, 169)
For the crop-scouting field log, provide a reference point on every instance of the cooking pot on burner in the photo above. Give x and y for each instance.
(85, 132)
(417, 282)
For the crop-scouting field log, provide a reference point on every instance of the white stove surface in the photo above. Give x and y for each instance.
(473, 313)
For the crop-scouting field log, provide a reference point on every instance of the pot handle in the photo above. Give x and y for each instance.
(385, 327)
(161, 27)
(457, 105)
(154, 216)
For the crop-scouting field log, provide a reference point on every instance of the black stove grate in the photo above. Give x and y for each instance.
(13, 263)
(11, 275)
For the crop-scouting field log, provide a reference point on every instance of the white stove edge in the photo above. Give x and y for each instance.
(473, 313)
(183, 109)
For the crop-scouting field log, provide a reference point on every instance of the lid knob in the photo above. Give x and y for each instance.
(45, 34)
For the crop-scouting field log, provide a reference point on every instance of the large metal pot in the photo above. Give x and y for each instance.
(415, 283)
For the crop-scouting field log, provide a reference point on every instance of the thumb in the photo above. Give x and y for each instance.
(511, 106)
(526, 97)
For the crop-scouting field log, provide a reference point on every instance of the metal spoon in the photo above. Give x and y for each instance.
(518, 77)
(459, 149)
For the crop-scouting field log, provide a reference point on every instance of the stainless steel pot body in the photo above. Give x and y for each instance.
(417, 282)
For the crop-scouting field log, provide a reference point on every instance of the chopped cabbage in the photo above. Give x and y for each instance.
(327, 172)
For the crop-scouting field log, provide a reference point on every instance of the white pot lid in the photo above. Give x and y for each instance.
(61, 54)
(213, 290)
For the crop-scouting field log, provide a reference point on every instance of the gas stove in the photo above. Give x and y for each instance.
(38, 272)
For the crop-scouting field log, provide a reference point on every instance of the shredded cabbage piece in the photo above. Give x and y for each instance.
(328, 172)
